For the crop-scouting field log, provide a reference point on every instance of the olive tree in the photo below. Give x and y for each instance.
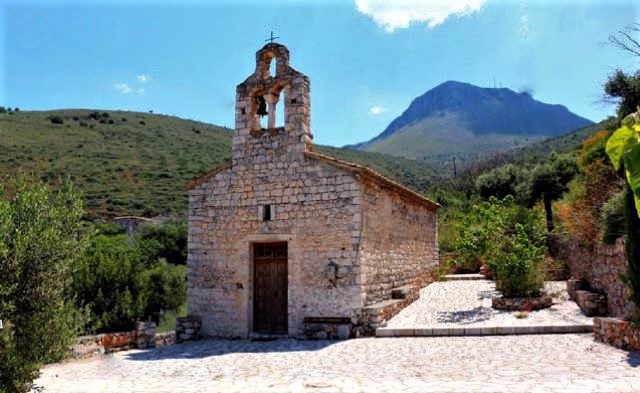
(40, 237)
(549, 181)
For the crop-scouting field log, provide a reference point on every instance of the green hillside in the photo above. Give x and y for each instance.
(564, 143)
(138, 163)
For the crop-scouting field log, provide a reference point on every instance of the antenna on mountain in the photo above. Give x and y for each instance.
(455, 173)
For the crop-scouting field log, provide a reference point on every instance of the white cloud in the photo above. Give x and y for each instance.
(399, 14)
(123, 88)
(143, 78)
(141, 91)
(376, 110)
(524, 27)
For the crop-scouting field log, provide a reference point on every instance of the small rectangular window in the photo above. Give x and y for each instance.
(266, 213)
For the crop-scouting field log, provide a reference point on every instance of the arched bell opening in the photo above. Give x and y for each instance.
(269, 109)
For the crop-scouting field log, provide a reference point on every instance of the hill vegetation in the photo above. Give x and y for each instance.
(138, 163)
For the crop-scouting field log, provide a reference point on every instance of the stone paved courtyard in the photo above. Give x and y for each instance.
(525, 363)
(468, 303)
(535, 363)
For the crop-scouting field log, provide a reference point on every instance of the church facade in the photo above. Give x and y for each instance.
(286, 241)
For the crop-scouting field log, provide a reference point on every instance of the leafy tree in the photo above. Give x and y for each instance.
(41, 237)
(108, 283)
(3, 109)
(625, 90)
(509, 239)
(613, 218)
(549, 181)
(168, 241)
(500, 182)
(166, 288)
(623, 148)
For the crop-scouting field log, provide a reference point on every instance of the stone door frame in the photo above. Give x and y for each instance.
(248, 256)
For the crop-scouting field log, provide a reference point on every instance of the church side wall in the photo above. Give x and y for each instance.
(399, 241)
(317, 211)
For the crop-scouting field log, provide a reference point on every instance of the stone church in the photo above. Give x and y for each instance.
(286, 241)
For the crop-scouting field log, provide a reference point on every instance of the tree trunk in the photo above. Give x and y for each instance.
(546, 199)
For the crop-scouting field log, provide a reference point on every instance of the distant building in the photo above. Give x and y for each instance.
(286, 241)
(131, 224)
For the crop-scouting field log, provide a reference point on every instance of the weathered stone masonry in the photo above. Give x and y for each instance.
(352, 236)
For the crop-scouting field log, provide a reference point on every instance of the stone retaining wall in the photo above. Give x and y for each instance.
(601, 267)
(144, 336)
(166, 338)
(591, 303)
(617, 333)
(188, 328)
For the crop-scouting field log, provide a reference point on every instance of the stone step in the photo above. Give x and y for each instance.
(405, 292)
(471, 276)
(481, 330)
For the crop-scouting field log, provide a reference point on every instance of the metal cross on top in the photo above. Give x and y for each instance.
(272, 38)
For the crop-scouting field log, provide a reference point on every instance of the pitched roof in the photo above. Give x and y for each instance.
(354, 168)
(203, 178)
(374, 176)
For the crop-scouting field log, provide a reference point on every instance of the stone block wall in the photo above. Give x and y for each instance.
(188, 328)
(601, 267)
(315, 209)
(143, 336)
(617, 333)
(591, 303)
(399, 242)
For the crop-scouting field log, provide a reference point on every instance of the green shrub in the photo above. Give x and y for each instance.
(167, 241)
(41, 236)
(108, 283)
(55, 119)
(517, 265)
(166, 288)
(613, 218)
(500, 182)
(509, 239)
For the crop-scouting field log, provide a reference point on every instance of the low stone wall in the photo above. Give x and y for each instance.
(600, 266)
(166, 338)
(188, 328)
(521, 303)
(591, 303)
(376, 315)
(617, 333)
(144, 336)
(321, 328)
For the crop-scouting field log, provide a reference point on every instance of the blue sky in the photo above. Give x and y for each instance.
(367, 59)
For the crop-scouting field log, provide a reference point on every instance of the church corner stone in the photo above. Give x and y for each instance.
(284, 235)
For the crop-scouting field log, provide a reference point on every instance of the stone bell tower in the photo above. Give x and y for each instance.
(258, 96)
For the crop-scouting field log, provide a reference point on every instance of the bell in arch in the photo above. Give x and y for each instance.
(262, 106)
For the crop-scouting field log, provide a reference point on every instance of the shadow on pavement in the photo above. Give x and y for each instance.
(207, 348)
(633, 358)
(477, 314)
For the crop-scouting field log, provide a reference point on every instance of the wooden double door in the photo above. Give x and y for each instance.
(270, 288)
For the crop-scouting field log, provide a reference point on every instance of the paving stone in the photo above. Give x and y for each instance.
(467, 303)
(545, 363)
